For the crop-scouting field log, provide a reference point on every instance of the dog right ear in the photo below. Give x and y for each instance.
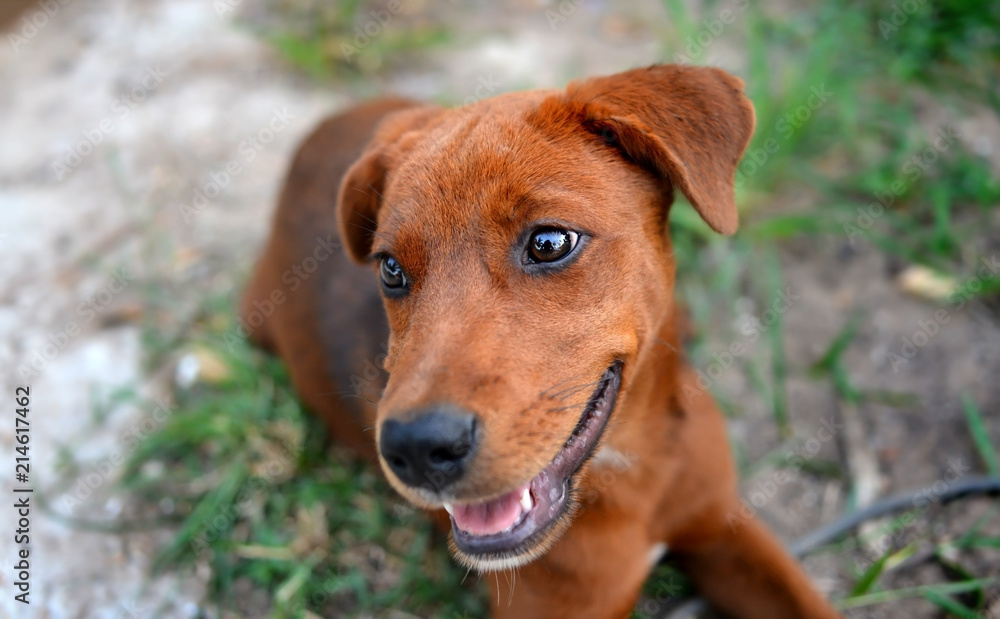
(362, 189)
(689, 125)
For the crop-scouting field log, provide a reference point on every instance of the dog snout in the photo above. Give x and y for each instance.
(432, 450)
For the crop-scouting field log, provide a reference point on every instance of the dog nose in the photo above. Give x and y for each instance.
(431, 451)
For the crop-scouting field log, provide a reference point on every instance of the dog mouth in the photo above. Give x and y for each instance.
(507, 530)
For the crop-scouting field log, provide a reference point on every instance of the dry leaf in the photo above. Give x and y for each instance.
(200, 365)
(923, 282)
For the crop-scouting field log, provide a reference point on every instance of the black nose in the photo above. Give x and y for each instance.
(431, 451)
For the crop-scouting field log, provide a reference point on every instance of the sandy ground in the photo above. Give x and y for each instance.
(168, 91)
(115, 114)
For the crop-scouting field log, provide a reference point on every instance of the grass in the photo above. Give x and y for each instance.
(939, 198)
(934, 592)
(348, 40)
(980, 436)
(260, 500)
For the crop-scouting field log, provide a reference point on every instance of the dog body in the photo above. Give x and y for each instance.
(536, 390)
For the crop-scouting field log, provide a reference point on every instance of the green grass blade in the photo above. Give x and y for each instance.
(981, 436)
(950, 605)
(787, 226)
(870, 576)
(201, 519)
(837, 347)
(779, 364)
(882, 597)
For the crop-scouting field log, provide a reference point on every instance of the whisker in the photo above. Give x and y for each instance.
(373, 232)
(390, 206)
(370, 220)
(666, 343)
(510, 597)
(561, 395)
(506, 576)
(573, 406)
(562, 382)
(565, 393)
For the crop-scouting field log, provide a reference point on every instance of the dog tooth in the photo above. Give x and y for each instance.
(526, 504)
(448, 508)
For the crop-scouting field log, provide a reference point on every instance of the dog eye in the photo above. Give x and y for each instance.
(551, 245)
(391, 273)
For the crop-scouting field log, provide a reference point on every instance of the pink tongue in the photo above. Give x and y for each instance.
(490, 517)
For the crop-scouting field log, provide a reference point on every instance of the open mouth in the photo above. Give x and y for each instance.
(493, 534)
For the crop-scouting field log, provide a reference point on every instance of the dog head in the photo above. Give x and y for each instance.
(522, 252)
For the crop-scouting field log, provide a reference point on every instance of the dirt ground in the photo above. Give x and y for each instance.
(115, 113)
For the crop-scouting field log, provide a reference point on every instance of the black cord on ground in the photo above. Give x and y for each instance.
(973, 486)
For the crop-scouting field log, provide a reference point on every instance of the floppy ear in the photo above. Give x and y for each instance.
(363, 186)
(687, 124)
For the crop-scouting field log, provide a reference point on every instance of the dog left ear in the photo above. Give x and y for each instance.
(360, 196)
(687, 124)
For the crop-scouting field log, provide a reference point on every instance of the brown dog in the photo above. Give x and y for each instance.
(535, 391)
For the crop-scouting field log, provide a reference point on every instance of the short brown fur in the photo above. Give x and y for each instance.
(447, 193)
